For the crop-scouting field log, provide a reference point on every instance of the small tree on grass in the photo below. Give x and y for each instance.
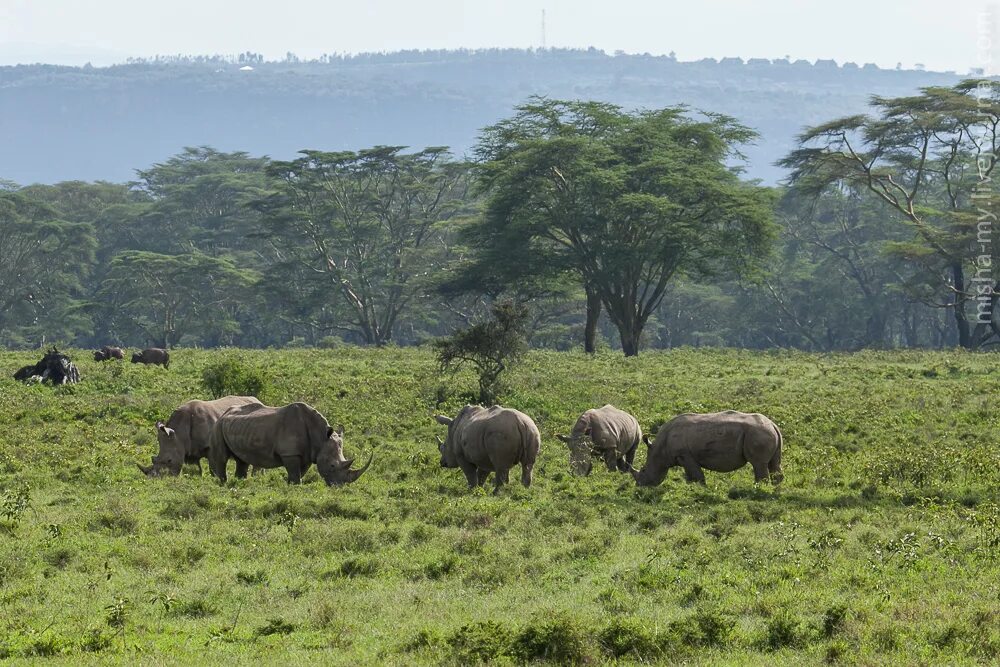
(491, 347)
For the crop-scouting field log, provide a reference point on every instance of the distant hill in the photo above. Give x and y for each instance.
(60, 123)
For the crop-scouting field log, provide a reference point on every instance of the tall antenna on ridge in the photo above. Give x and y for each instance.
(543, 28)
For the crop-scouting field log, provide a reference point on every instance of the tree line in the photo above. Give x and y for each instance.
(610, 227)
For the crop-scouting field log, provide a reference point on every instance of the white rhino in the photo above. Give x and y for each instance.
(294, 437)
(484, 440)
(607, 432)
(185, 437)
(719, 441)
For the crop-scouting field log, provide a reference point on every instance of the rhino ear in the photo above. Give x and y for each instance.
(340, 429)
(169, 432)
(441, 419)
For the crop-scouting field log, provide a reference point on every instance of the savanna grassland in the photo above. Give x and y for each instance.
(882, 546)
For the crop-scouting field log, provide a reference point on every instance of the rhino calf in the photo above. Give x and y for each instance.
(107, 352)
(294, 437)
(186, 435)
(484, 440)
(152, 355)
(719, 441)
(607, 432)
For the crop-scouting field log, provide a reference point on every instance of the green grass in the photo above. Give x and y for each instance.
(881, 547)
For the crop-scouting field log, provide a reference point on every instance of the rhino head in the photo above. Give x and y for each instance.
(448, 459)
(100, 355)
(171, 456)
(581, 450)
(655, 470)
(331, 464)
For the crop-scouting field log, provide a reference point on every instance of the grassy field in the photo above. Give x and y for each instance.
(881, 547)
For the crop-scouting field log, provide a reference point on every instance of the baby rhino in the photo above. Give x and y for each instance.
(719, 441)
(484, 440)
(607, 432)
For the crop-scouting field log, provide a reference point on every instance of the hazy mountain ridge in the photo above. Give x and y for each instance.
(59, 123)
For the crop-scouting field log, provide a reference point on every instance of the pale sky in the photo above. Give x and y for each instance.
(941, 34)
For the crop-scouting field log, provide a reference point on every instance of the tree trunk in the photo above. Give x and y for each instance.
(958, 305)
(630, 330)
(593, 315)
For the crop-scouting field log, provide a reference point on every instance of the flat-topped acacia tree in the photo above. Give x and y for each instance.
(929, 158)
(623, 201)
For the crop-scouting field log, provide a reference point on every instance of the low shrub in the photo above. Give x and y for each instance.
(234, 376)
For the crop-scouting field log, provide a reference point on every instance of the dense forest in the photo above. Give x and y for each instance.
(68, 123)
(614, 227)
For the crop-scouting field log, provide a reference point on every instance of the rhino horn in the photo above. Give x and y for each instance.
(645, 439)
(353, 475)
(440, 441)
(635, 473)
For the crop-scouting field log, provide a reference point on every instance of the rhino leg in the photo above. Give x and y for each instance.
(501, 478)
(760, 472)
(692, 471)
(293, 464)
(526, 475)
(629, 458)
(218, 457)
(241, 469)
(482, 475)
(774, 469)
(611, 459)
(471, 472)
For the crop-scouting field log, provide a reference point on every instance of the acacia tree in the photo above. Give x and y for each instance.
(42, 262)
(930, 159)
(492, 347)
(362, 223)
(623, 201)
(167, 296)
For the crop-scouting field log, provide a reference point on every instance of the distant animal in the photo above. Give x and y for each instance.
(719, 441)
(607, 432)
(54, 367)
(107, 352)
(294, 437)
(152, 355)
(185, 437)
(484, 440)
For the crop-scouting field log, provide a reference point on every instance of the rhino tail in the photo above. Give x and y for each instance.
(774, 465)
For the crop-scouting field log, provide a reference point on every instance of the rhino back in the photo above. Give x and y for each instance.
(612, 428)
(717, 441)
(497, 438)
(193, 421)
(261, 435)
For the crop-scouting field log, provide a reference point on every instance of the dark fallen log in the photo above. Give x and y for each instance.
(55, 367)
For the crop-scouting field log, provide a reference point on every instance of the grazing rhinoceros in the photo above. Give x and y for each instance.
(152, 355)
(719, 441)
(483, 440)
(186, 435)
(294, 436)
(107, 352)
(608, 432)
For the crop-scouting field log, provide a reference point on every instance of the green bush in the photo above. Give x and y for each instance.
(557, 638)
(628, 636)
(480, 642)
(234, 376)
